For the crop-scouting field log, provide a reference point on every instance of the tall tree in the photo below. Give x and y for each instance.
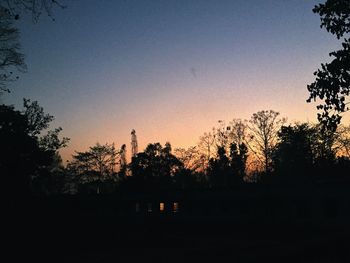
(294, 155)
(95, 166)
(263, 127)
(156, 166)
(207, 145)
(238, 131)
(332, 84)
(219, 169)
(221, 134)
(238, 160)
(238, 137)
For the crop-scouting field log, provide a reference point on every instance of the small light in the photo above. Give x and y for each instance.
(161, 207)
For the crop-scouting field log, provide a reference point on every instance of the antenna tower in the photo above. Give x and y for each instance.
(133, 143)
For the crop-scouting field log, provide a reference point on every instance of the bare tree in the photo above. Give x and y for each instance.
(263, 127)
(342, 141)
(221, 135)
(191, 158)
(238, 131)
(207, 145)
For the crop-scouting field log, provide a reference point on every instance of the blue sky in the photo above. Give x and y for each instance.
(169, 69)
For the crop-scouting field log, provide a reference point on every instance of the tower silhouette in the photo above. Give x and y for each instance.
(134, 149)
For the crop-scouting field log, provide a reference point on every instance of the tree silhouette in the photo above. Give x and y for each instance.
(332, 84)
(221, 135)
(343, 141)
(55, 180)
(26, 154)
(191, 158)
(294, 154)
(263, 127)
(156, 166)
(238, 159)
(238, 131)
(95, 167)
(219, 169)
(207, 145)
(307, 151)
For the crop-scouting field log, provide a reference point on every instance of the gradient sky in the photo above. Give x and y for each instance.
(169, 69)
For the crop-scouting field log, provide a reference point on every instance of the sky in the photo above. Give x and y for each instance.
(169, 69)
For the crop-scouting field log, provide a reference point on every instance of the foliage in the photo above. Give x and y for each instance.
(219, 169)
(294, 153)
(228, 171)
(24, 154)
(238, 160)
(332, 84)
(95, 166)
(305, 150)
(54, 180)
(156, 165)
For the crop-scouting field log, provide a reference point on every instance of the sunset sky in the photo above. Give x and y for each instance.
(169, 69)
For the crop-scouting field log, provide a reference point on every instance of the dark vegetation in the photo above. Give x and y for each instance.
(285, 200)
(332, 84)
(264, 150)
(250, 189)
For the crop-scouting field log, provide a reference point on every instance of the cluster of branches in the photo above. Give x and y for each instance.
(332, 84)
(95, 168)
(34, 7)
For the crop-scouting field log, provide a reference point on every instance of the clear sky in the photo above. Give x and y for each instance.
(169, 69)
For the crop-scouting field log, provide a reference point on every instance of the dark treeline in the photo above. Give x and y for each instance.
(262, 150)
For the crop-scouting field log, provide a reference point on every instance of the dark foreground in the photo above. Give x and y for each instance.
(175, 240)
(48, 232)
